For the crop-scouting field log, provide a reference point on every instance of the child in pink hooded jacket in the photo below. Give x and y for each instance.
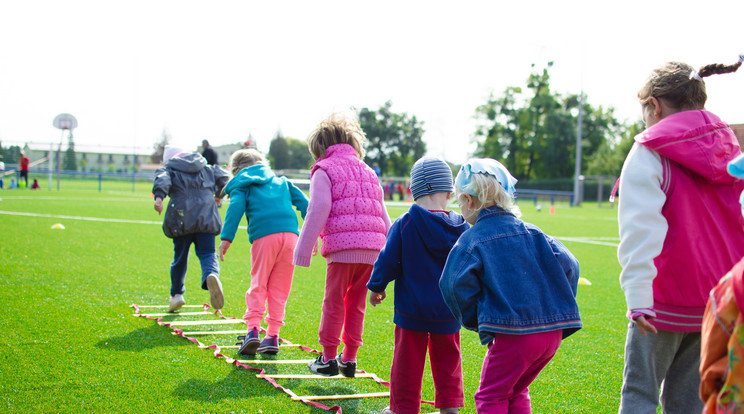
(346, 210)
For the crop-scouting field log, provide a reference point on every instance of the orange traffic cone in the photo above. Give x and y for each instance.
(552, 210)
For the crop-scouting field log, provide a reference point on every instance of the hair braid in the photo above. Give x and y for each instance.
(717, 69)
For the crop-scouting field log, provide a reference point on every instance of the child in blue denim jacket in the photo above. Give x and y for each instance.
(510, 282)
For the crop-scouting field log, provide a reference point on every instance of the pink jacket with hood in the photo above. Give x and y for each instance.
(684, 220)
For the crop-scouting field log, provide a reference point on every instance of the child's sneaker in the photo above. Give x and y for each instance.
(387, 410)
(327, 369)
(176, 302)
(216, 297)
(454, 410)
(269, 345)
(250, 343)
(347, 369)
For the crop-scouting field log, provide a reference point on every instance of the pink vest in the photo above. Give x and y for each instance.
(705, 236)
(355, 220)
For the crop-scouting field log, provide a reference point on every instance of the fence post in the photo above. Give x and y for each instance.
(100, 178)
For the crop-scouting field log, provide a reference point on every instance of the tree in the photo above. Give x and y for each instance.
(609, 158)
(165, 139)
(395, 140)
(69, 163)
(535, 136)
(299, 155)
(279, 152)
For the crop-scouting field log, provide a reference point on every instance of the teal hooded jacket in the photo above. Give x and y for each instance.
(266, 201)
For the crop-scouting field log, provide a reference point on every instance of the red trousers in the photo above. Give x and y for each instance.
(407, 371)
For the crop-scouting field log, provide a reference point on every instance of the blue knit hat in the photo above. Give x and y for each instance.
(430, 175)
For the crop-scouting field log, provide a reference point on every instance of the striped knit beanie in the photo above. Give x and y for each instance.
(430, 175)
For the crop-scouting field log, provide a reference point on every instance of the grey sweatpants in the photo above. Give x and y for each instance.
(668, 361)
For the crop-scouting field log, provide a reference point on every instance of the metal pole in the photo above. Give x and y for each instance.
(59, 157)
(51, 164)
(577, 172)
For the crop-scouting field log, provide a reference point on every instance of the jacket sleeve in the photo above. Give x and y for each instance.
(161, 183)
(568, 262)
(234, 214)
(220, 180)
(388, 265)
(318, 211)
(299, 199)
(641, 224)
(460, 286)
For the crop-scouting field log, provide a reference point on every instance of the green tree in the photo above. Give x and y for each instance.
(159, 146)
(299, 155)
(279, 152)
(610, 156)
(69, 162)
(395, 140)
(535, 136)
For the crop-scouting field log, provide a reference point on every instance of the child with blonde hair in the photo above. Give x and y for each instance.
(346, 210)
(680, 232)
(266, 201)
(511, 283)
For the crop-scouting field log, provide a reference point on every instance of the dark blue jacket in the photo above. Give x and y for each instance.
(507, 276)
(414, 255)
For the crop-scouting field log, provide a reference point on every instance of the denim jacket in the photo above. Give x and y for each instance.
(505, 276)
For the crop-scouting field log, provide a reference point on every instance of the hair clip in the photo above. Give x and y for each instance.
(741, 58)
(695, 75)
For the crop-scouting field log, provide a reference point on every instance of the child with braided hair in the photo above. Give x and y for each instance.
(680, 231)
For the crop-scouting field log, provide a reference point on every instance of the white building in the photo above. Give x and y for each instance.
(97, 158)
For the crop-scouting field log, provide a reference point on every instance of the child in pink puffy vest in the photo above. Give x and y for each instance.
(346, 210)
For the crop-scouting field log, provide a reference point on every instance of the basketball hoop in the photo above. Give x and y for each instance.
(65, 122)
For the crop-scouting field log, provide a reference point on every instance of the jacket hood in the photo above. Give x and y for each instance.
(698, 140)
(441, 233)
(255, 174)
(190, 163)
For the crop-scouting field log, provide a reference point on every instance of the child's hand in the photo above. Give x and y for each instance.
(644, 325)
(376, 298)
(159, 205)
(224, 245)
(218, 201)
(315, 248)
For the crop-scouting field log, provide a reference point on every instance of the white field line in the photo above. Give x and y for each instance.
(588, 240)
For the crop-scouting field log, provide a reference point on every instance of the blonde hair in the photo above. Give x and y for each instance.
(336, 129)
(679, 85)
(244, 158)
(489, 193)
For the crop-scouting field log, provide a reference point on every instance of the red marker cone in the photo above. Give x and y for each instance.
(552, 210)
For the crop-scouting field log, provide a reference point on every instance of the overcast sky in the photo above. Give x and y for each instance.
(220, 70)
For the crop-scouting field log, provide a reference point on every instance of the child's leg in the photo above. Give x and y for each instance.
(205, 251)
(262, 260)
(407, 370)
(446, 369)
(355, 304)
(511, 364)
(339, 279)
(179, 264)
(680, 392)
(280, 283)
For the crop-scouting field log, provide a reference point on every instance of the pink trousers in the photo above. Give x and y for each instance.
(271, 280)
(511, 364)
(344, 305)
(407, 371)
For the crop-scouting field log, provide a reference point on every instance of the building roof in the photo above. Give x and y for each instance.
(91, 149)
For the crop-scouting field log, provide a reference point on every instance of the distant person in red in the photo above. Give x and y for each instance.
(24, 161)
(35, 185)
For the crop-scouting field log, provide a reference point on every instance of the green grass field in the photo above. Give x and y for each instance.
(70, 344)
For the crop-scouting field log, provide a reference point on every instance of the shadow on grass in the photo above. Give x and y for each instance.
(154, 336)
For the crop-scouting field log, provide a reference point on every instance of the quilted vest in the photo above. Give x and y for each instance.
(355, 220)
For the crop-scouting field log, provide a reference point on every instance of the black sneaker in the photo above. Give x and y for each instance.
(250, 343)
(326, 369)
(269, 345)
(347, 369)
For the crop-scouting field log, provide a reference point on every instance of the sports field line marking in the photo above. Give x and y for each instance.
(341, 397)
(165, 306)
(17, 213)
(311, 376)
(208, 322)
(587, 240)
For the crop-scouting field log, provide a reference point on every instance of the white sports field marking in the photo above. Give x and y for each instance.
(341, 397)
(137, 200)
(588, 240)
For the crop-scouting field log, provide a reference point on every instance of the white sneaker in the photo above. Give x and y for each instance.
(216, 297)
(176, 302)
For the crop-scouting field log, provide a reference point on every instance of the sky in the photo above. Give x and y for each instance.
(221, 70)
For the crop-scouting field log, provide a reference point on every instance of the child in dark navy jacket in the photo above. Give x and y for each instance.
(414, 255)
